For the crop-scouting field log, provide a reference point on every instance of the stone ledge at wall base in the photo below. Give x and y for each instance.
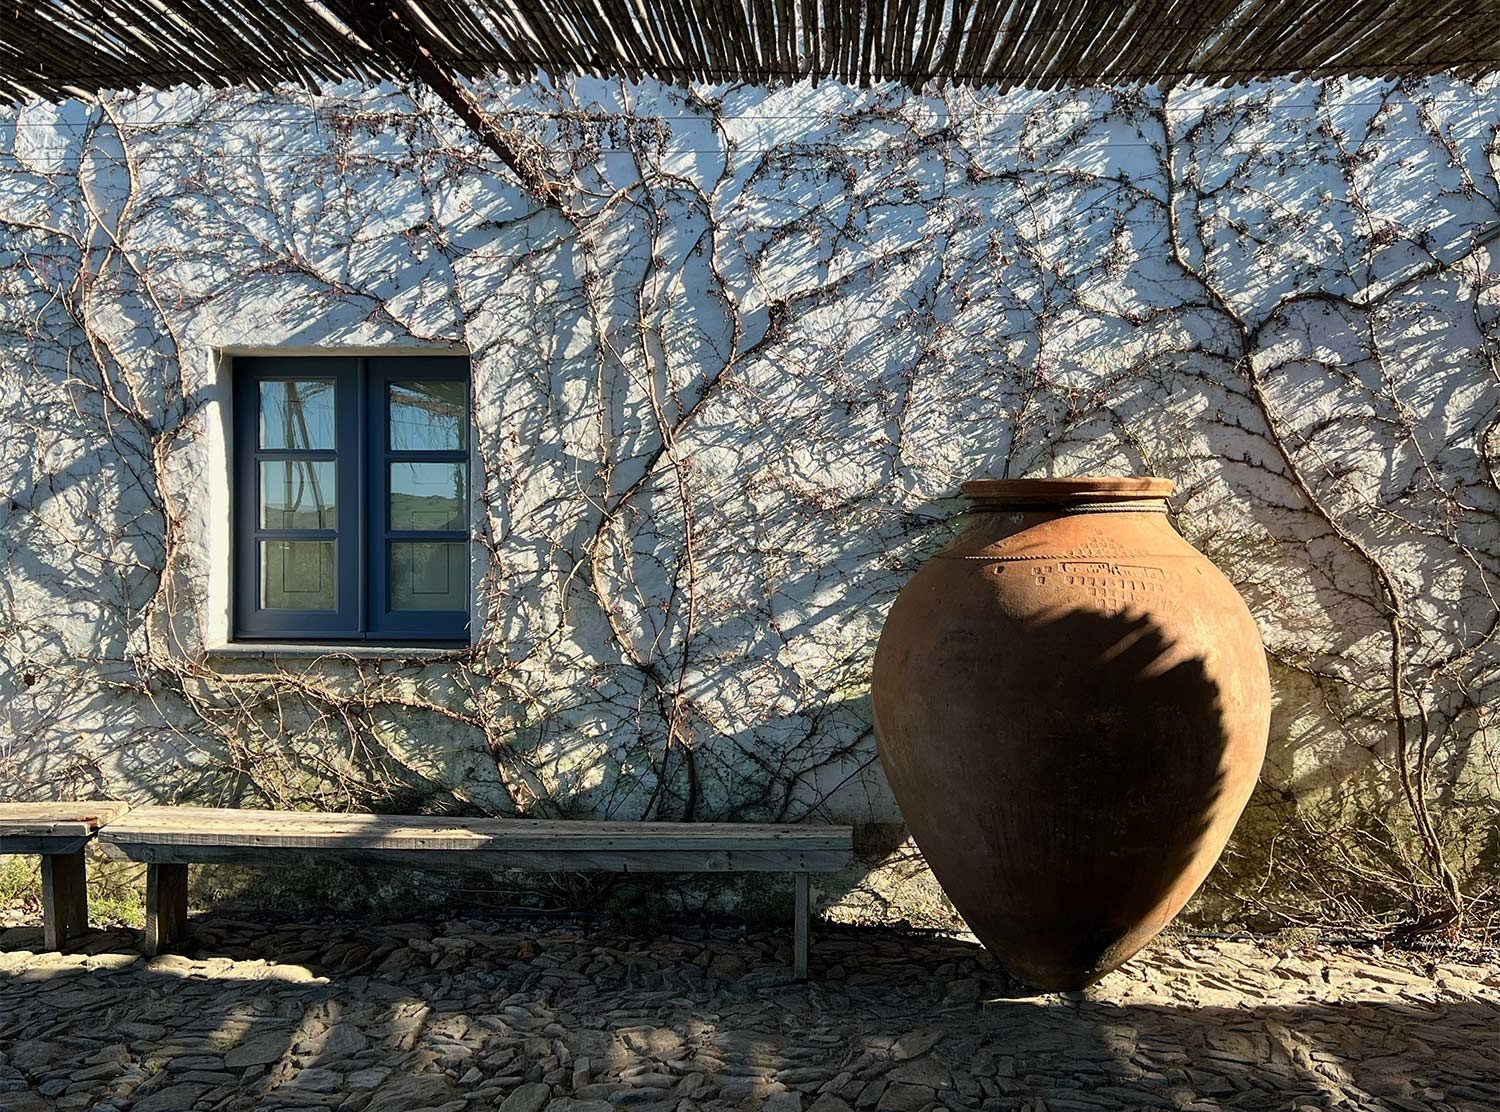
(1071, 705)
(168, 839)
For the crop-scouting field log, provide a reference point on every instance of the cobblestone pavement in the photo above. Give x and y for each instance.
(467, 1014)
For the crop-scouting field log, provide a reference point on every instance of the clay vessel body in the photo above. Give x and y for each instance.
(1071, 705)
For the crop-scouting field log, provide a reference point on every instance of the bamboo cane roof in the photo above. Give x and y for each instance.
(55, 48)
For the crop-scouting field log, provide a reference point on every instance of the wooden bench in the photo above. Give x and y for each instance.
(169, 839)
(58, 832)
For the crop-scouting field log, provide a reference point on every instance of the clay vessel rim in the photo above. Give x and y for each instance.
(1082, 488)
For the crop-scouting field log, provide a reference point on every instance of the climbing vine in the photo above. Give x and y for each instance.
(729, 369)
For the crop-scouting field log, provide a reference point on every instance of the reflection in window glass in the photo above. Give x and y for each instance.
(297, 575)
(427, 416)
(297, 494)
(428, 496)
(429, 575)
(297, 414)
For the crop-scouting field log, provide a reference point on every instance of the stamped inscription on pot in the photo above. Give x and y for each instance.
(1112, 586)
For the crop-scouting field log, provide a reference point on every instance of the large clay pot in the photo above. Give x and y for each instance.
(1071, 705)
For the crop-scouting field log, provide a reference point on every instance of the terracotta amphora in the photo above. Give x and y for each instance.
(1071, 704)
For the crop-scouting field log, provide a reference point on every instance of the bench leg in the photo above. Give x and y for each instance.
(166, 906)
(799, 928)
(65, 898)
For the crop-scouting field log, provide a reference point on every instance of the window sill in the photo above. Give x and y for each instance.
(251, 650)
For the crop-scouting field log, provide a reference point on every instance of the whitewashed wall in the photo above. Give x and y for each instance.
(725, 396)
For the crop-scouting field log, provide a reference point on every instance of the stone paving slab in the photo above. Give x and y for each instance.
(468, 1014)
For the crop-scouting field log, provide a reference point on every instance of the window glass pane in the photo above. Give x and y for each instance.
(297, 413)
(297, 575)
(427, 416)
(429, 575)
(428, 495)
(297, 494)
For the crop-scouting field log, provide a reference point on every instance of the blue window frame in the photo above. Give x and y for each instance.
(351, 488)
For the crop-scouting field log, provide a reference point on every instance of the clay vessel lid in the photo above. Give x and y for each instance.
(1061, 492)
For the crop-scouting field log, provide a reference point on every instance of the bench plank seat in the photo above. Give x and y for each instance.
(183, 835)
(58, 832)
(53, 827)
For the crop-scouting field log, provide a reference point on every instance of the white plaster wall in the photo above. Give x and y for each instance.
(725, 396)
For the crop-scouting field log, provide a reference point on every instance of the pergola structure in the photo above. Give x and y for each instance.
(55, 48)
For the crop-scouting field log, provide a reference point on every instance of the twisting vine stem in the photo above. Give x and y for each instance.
(733, 354)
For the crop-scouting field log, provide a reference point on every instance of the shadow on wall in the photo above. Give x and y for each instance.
(1328, 835)
(712, 438)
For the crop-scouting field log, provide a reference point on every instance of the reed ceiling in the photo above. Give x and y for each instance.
(55, 48)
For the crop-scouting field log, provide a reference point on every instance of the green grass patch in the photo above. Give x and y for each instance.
(20, 879)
